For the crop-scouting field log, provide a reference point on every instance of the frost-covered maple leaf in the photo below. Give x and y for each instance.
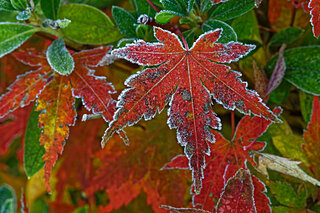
(55, 95)
(314, 6)
(187, 80)
(226, 158)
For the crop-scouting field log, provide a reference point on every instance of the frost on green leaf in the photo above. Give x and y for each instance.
(24, 15)
(125, 21)
(228, 33)
(303, 68)
(88, 25)
(7, 199)
(19, 4)
(232, 9)
(6, 5)
(13, 35)
(59, 58)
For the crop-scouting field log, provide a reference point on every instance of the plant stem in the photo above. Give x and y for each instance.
(178, 32)
(152, 5)
(293, 16)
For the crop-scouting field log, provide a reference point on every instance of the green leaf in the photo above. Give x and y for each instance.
(240, 26)
(179, 7)
(83, 209)
(97, 3)
(306, 101)
(88, 25)
(59, 58)
(286, 195)
(50, 8)
(33, 151)
(189, 36)
(143, 7)
(281, 209)
(164, 16)
(7, 207)
(8, 16)
(125, 21)
(303, 68)
(7, 193)
(19, 4)
(228, 33)
(286, 36)
(232, 9)
(280, 94)
(39, 206)
(144, 32)
(6, 5)
(190, 5)
(13, 35)
(124, 41)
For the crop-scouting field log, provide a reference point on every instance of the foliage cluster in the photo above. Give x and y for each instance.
(218, 98)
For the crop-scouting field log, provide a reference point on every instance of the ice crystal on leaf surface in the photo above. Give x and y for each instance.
(187, 80)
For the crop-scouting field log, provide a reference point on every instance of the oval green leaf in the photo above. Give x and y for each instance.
(33, 151)
(179, 7)
(303, 68)
(50, 8)
(13, 35)
(59, 58)
(228, 34)
(19, 4)
(125, 21)
(8, 199)
(232, 9)
(164, 16)
(286, 36)
(6, 5)
(88, 25)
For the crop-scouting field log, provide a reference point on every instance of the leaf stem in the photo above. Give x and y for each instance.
(152, 5)
(178, 32)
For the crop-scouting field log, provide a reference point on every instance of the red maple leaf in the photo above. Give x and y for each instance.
(125, 172)
(226, 158)
(187, 79)
(241, 194)
(13, 126)
(312, 138)
(56, 95)
(314, 6)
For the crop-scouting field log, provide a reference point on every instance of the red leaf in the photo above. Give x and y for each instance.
(125, 172)
(27, 87)
(94, 91)
(58, 114)
(314, 6)
(57, 99)
(12, 129)
(226, 158)
(187, 79)
(312, 138)
(238, 195)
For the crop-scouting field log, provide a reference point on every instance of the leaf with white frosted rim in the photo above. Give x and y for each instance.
(13, 35)
(59, 58)
(285, 166)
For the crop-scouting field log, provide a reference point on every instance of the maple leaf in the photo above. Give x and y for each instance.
(74, 171)
(312, 138)
(187, 79)
(314, 6)
(13, 125)
(125, 172)
(226, 158)
(56, 95)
